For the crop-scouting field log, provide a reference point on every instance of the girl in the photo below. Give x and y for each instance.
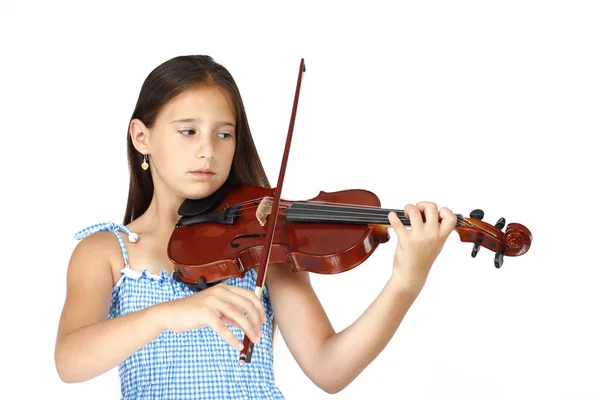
(188, 136)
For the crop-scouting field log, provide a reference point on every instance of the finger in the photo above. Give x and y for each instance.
(247, 306)
(430, 211)
(448, 220)
(237, 317)
(221, 329)
(249, 295)
(229, 321)
(397, 225)
(415, 217)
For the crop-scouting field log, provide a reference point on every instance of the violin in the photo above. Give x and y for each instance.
(245, 226)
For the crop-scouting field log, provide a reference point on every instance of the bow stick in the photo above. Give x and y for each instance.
(246, 353)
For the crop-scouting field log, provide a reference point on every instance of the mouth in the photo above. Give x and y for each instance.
(202, 173)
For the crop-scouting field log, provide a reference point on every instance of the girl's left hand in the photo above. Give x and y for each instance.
(418, 247)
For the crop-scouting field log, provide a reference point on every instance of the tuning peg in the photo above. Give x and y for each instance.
(500, 223)
(477, 214)
(476, 245)
(499, 259)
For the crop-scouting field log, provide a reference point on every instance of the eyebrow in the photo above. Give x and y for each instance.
(197, 120)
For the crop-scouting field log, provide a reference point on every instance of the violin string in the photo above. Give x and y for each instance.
(367, 216)
(287, 202)
(356, 216)
(367, 219)
(360, 209)
(299, 205)
(358, 213)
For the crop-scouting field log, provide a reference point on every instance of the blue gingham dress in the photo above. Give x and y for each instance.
(198, 364)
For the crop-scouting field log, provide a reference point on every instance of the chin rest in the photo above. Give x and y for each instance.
(191, 207)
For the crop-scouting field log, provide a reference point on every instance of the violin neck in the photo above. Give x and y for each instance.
(343, 214)
(336, 213)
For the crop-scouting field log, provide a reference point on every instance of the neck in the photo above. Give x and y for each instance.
(161, 215)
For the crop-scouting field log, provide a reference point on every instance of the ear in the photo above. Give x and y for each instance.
(139, 135)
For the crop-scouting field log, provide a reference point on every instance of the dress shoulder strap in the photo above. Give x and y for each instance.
(110, 227)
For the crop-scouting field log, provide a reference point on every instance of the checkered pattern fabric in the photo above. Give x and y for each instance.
(197, 364)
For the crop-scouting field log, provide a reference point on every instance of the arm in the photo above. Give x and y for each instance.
(88, 344)
(333, 360)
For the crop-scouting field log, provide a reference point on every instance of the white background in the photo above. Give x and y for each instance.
(469, 104)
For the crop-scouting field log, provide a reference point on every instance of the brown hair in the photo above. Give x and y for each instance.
(167, 81)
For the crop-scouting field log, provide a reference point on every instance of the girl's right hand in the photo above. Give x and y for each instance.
(216, 306)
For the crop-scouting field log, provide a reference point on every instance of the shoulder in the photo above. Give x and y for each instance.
(98, 245)
(99, 250)
(90, 278)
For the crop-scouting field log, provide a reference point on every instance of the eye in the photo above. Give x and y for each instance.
(183, 132)
(226, 134)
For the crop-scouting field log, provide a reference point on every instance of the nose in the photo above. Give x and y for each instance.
(205, 147)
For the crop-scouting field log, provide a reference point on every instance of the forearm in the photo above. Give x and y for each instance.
(94, 349)
(342, 357)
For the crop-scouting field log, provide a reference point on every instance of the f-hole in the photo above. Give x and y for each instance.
(249, 235)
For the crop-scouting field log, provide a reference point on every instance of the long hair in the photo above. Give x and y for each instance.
(165, 82)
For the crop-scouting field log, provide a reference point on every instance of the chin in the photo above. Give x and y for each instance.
(199, 191)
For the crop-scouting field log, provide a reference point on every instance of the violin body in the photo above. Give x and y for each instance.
(223, 236)
(227, 240)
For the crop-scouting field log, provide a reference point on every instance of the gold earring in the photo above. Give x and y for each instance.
(145, 163)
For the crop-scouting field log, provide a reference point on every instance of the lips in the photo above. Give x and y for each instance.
(203, 173)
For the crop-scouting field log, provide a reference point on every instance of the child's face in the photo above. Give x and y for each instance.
(205, 141)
